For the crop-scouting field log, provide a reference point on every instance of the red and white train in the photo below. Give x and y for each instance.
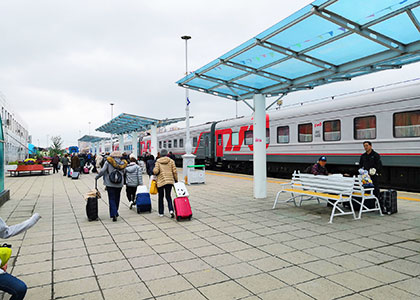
(298, 135)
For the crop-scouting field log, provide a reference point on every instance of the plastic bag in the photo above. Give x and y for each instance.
(153, 188)
(366, 180)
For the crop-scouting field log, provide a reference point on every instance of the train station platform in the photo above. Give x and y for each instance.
(235, 247)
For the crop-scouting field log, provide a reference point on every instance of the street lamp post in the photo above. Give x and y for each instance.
(188, 159)
(112, 116)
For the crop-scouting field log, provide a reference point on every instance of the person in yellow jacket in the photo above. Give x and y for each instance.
(167, 175)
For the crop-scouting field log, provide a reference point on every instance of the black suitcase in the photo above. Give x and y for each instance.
(92, 206)
(388, 200)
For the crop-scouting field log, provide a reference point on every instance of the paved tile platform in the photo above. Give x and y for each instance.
(234, 248)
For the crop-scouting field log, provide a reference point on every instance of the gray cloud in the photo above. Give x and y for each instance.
(63, 62)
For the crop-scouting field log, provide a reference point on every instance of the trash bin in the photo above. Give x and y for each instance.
(196, 174)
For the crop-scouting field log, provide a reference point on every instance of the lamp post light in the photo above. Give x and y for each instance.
(188, 159)
(112, 116)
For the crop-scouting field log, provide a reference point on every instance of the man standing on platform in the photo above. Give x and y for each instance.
(371, 162)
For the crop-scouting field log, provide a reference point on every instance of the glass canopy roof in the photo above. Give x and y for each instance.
(91, 139)
(324, 42)
(126, 123)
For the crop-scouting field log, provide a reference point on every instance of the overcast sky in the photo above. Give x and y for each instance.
(63, 62)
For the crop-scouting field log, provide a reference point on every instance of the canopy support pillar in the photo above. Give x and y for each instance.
(153, 140)
(102, 146)
(259, 143)
(121, 143)
(135, 140)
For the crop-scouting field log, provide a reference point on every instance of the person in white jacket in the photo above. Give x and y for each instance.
(8, 283)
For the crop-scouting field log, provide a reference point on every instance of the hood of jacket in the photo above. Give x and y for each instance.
(117, 163)
(164, 160)
(131, 168)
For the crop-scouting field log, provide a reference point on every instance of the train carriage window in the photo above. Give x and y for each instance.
(160, 144)
(164, 144)
(219, 140)
(365, 128)
(181, 143)
(175, 143)
(305, 132)
(170, 144)
(282, 135)
(195, 142)
(267, 135)
(332, 130)
(407, 124)
(249, 137)
(235, 138)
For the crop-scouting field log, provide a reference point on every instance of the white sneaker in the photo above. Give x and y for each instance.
(160, 215)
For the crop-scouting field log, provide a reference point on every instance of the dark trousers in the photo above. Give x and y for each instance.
(65, 170)
(114, 195)
(131, 193)
(13, 286)
(375, 180)
(165, 191)
(55, 168)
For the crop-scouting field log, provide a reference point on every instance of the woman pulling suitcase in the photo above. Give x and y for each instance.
(167, 175)
(113, 174)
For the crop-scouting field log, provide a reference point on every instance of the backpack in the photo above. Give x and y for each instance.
(115, 177)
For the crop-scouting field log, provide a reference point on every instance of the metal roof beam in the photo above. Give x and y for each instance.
(242, 99)
(346, 68)
(227, 83)
(293, 54)
(413, 19)
(255, 71)
(356, 28)
(198, 89)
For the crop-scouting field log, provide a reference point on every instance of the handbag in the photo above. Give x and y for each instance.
(153, 188)
(5, 254)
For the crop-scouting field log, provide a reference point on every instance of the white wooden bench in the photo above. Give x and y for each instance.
(361, 194)
(335, 190)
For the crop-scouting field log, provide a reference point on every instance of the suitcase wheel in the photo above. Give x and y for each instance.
(190, 218)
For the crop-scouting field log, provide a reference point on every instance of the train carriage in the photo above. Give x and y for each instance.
(296, 136)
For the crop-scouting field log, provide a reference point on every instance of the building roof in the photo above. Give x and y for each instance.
(126, 123)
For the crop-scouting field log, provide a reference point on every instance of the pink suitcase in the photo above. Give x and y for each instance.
(182, 208)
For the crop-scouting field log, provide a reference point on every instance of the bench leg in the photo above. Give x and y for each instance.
(352, 209)
(288, 200)
(332, 212)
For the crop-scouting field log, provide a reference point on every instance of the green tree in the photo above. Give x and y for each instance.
(56, 146)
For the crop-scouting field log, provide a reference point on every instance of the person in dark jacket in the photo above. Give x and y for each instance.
(65, 161)
(55, 161)
(371, 162)
(150, 165)
(319, 168)
(75, 163)
(171, 155)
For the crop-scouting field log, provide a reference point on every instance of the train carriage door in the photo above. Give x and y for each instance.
(219, 145)
(207, 145)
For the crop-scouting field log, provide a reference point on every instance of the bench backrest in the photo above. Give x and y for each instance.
(334, 184)
(23, 168)
(358, 186)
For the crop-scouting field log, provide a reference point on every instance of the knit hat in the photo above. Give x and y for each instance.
(163, 152)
